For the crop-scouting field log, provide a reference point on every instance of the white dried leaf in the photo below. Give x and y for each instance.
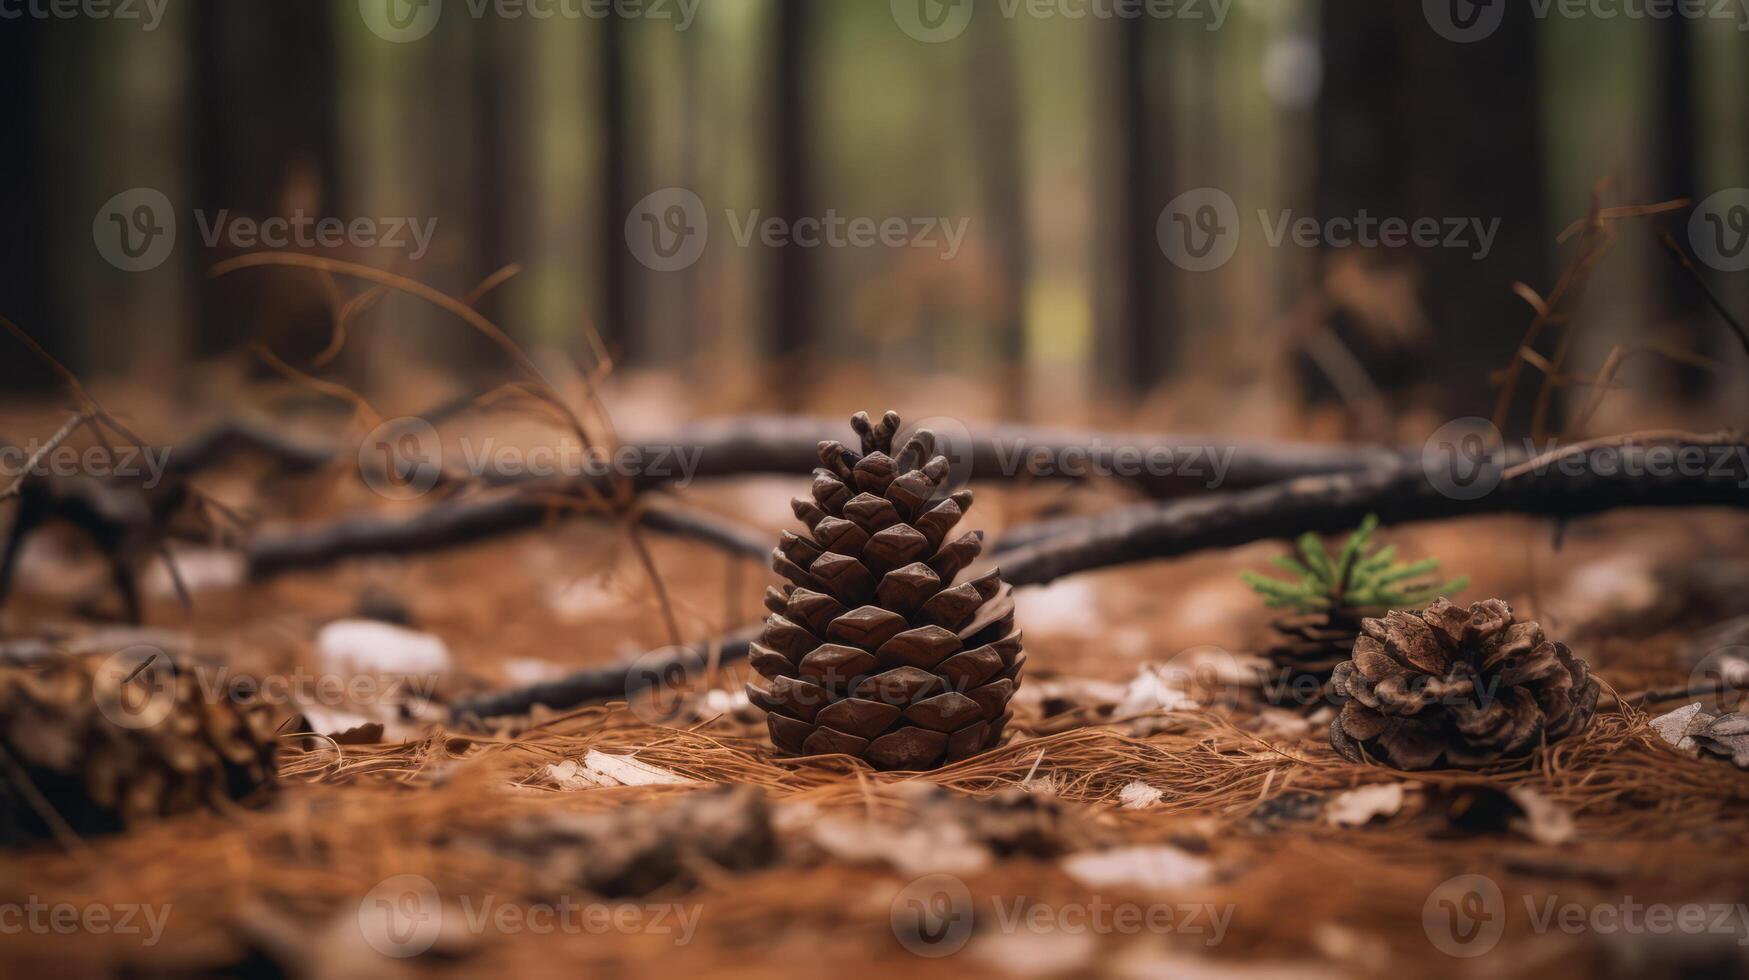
(627, 771)
(1139, 796)
(1544, 820)
(1153, 868)
(1153, 690)
(1677, 727)
(937, 847)
(366, 647)
(1727, 735)
(1035, 953)
(570, 775)
(1359, 806)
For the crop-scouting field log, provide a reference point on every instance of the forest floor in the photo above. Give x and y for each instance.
(1233, 859)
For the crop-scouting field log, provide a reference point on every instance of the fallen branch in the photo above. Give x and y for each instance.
(1399, 494)
(1609, 477)
(772, 445)
(613, 682)
(1161, 465)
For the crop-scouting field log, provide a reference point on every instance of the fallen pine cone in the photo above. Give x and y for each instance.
(873, 652)
(1460, 688)
(108, 742)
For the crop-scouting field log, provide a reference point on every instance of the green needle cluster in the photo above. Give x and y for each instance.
(1352, 579)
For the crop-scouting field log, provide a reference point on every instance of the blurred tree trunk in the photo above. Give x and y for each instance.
(1132, 332)
(493, 128)
(618, 327)
(994, 90)
(791, 303)
(264, 143)
(1412, 125)
(1677, 301)
(27, 294)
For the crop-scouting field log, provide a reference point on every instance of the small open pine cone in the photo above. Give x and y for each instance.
(1458, 687)
(108, 747)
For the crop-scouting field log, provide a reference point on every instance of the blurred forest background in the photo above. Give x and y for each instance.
(1058, 139)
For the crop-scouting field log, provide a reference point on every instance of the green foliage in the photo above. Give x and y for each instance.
(1353, 578)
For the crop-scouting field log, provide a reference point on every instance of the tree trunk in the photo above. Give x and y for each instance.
(618, 326)
(1413, 125)
(263, 143)
(1001, 164)
(791, 306)
(27, 290)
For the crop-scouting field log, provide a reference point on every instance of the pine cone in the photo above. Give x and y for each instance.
(1467, 688)
(874, 652)
(1305, 653)
(109, 746)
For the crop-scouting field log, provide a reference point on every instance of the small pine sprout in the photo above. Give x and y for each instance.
(1353, 578)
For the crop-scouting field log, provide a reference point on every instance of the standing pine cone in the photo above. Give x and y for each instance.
(874, 652)
(1468, 688)
(109, 742)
